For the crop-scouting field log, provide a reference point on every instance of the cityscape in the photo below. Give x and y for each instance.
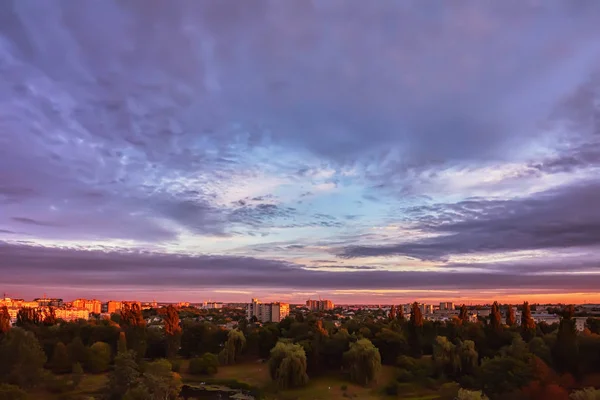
(299, 200)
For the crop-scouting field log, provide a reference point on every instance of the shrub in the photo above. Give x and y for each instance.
(175, 365)
(449, 391)
(208, 364)
(344, 387)
(11, 392)
(98, 358)
(404, 376)
(391, 389)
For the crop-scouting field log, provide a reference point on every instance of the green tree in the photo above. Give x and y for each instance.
(511, 319)
(98, 358)
(22, 358)
(125, 375)
(60, 363)
(287, 365)
(527, 323)
(364, 361)
(233, 347)
(391, 344)
(267, 339)
(172, 330)
(4, 320)
(77, 375)
(122, 343)
(586, 394)
(12, 392)
(502, 375)
(468, 356)
(445, 356)
(464, 394)
(208, 364)
(77, 351)
(161, 382)
(566, 351)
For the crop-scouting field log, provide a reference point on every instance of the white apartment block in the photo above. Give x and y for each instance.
(267, 312)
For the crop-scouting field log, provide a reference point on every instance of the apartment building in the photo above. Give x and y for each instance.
(93, 306)
(72, 314)
(267, 312)
(446, 305)
(319, 305)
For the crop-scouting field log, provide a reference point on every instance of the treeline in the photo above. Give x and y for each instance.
(494, 357)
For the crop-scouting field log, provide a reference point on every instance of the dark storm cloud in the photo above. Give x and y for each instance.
(110, 269)
(555, 219)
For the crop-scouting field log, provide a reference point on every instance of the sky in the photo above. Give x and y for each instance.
(374, 152)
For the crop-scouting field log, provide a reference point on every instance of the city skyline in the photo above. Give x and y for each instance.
(368, 151)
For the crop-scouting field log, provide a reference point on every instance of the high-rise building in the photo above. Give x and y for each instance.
(211, 305)
(267, 312)
(426, 308)
(446, 305)
(113, 306)
(319, 305)
(93, 306)
(48, 302)
(72, 314)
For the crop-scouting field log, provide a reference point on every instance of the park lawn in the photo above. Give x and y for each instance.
(255, 374)
(90, 384)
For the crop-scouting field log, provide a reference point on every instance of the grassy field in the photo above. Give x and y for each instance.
(331, 386)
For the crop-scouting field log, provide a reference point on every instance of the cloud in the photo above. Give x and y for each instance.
(556, 219)
(110, 269)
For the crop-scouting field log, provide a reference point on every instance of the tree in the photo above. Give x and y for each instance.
(22, 358)
(60, 363)
(77, 351)
(527, 323)
(208, 364)
(12, 392)
(161, 382)
(364, 361)
(172, 330)
(464, 314)
(416, 317)
(503, 375)
(400, 313)
(98, 358)
(77, 375)
(233, 347)
(445, 356)
(593, 324)
(125, 375)
(468, 356)
(510, 316)
(586, 394)
(4, 320)
(134, 326)
(566, 351)
(122, 343)
(393, 313)
(267, 339)
(391, 344)
(495, 317)
(464, 394)
(49, 317)
(287, 365)
(415, 330)
(27, 317)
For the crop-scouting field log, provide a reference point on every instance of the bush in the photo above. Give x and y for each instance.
(404, 376)
(449, 391)
(11, 392)
(56, 384)
(208, 364)
(98, 358)
(176, 365)
(391, 389)
(344, 388)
